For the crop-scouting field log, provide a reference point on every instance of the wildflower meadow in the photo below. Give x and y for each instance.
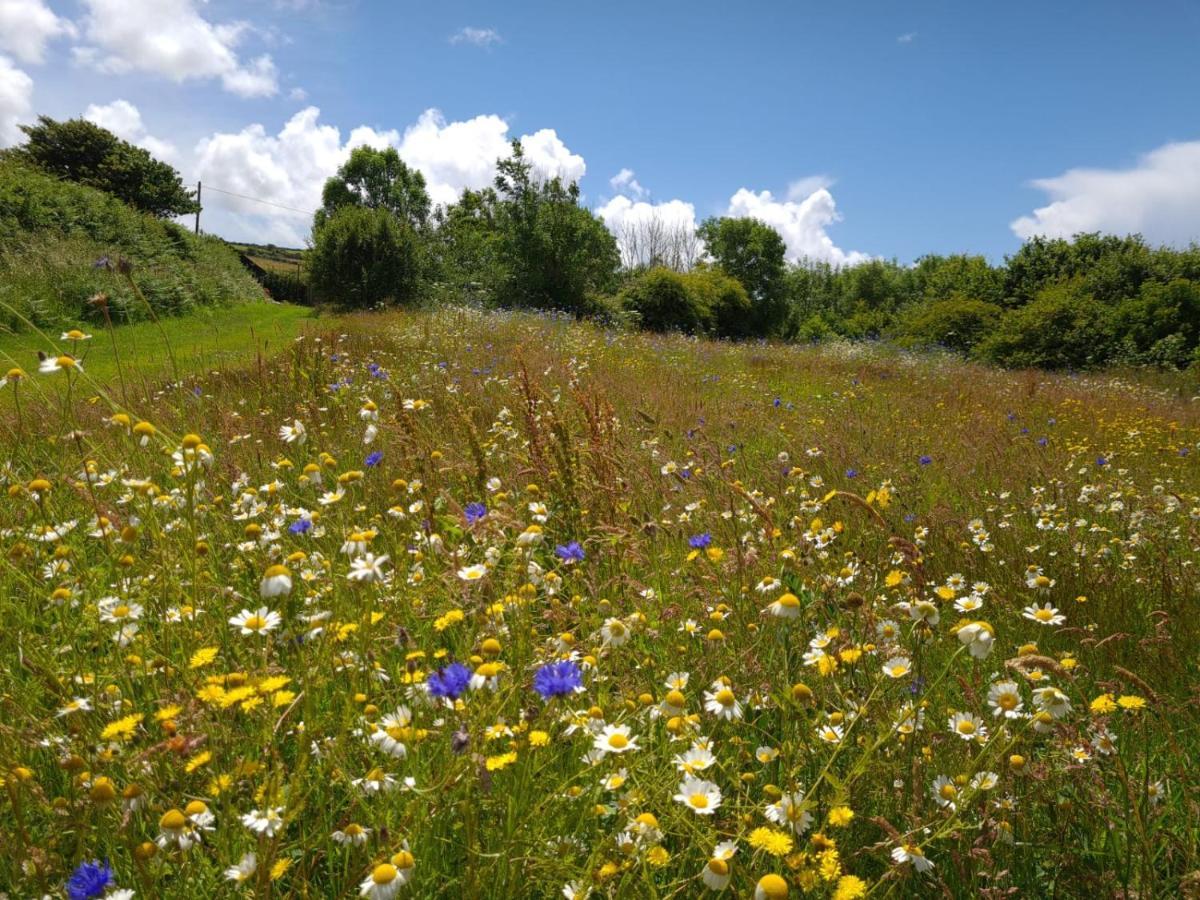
(465, 604)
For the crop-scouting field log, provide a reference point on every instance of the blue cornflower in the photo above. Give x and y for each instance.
(569, 553)
(301, 526)
(373, 459)
(852, 473)
(450, 682)
(474, 512)
(89, 880)
(1043, 441)
(557, 679)
(925, 460)
(700, 541)
(777, 403)
(1101, 461)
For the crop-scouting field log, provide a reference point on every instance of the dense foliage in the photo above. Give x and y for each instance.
(527, 241)
(52, 232)
(80, 151)
(364, 256)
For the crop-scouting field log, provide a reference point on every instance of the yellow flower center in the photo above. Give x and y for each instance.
(725, 697)
(618, 741)
(255, 623)
(384, 874)
(700, 801)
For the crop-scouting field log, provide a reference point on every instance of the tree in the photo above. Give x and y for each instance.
(552, 253)
(81, 151)
(376, 179)
(1064, 326)
(655, 240)
(753, 253)
(363, 257)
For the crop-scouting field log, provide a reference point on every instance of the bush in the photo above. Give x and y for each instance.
(958, 324)
(1062, 327)
(664, 301)
(52, 232)
(728, 304)
(363, 257)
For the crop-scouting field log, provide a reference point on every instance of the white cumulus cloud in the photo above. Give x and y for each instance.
(171, 38)
(16, 101)
(124, 120)
(289, 169)
(1158, 197)
(26, 26)
(801, 223)
(285, 171)
(478, 37)
(454, 156)
(625, 182)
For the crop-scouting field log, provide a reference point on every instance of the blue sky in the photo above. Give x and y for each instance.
(906, 127)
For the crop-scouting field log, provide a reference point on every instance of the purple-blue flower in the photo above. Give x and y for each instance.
(373, 459)
(852, 473)
(569, 553)
(1101, 461)
(90, 879)
(474, 512)
(700, 541)
(301, 526)
(925, 460)
(558, 679)
(450, 682)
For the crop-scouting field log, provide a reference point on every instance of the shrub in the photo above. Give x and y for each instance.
(665, 301)
(728, 305)
(1062, 327)
(363, 257)
(957, 323)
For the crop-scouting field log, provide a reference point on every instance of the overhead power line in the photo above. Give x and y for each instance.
(307, 212)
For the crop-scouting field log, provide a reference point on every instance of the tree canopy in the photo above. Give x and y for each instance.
(81, 151)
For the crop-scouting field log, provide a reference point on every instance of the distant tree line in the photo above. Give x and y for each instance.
(527, 241)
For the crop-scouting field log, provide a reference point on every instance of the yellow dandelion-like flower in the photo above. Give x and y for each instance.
(850, 887)
(840, 816)
(1131, 702)
(776, 843)
(121, 729)
(202, 657)
(1103, 704)
(496, 763)
(197, 761)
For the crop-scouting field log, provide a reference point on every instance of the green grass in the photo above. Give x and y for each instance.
(207, 339)
(833, 544)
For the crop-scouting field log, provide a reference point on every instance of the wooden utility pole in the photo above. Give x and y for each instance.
(199, 186)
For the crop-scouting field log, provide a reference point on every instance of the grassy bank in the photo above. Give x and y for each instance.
(201, 341)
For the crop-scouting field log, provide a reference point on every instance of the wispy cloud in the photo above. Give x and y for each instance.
(907, 38)
(477, 37)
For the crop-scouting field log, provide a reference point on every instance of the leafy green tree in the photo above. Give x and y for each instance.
(551, 252)
(376, 179)
(723, 296)
(363, 257)
(958, 275)
(663, 301)
(957, 323)
(1064, 326)
(753, 253)
(465, 247)
(81, 151)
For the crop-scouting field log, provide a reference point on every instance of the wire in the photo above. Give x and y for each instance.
(307, 212)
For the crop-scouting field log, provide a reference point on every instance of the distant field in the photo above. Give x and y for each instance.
(508, 606)
(207, 339)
